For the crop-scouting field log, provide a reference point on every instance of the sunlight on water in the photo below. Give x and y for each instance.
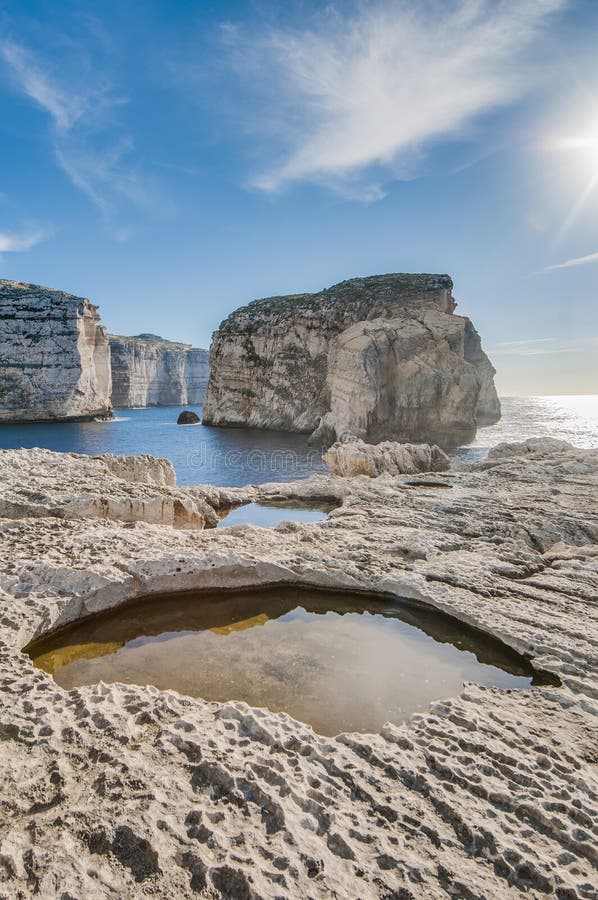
(573, 419)
(239, 456)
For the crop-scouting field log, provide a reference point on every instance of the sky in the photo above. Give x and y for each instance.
(174, 159)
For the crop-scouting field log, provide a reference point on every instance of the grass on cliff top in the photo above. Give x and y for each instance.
(373, 288)
(148, 338)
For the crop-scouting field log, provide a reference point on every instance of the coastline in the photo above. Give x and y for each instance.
(133, 791)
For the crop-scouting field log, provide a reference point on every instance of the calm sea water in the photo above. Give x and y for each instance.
(238, 456)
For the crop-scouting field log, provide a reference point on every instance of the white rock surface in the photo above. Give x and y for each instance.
(124, 792)
(128, 489)
(142, 469)
(381, 358)
(358, 458)
(148, 370)
(54, 356)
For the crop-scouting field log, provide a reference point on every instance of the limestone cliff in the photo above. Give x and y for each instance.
(54, 356)
(380, 358)
(150, 371)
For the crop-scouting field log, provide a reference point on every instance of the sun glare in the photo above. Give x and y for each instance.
(585, 144)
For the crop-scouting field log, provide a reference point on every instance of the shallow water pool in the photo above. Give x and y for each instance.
(338, 661)
(270, 514)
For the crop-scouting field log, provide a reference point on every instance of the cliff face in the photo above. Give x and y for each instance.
(380, 358)
(150, 371)
(54, 356)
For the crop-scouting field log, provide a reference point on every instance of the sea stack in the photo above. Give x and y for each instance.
(377, 358)
(148, 370)
(54, 356)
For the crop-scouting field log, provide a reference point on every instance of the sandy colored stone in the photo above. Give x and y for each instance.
(124, 792)
(127, 489)
(358, 458)
(148, 370)
(378, 358)
(54, 356)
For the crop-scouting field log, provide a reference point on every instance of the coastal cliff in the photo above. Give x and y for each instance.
(148, 370)
(54, 356)
(378, 358)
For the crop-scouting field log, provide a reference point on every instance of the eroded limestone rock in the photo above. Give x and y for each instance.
(39, 483)
(116, 790)
(54, 356)
(358, 458)
(381, 358)
(148, 370)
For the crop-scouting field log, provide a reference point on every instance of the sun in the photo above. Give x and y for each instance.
(586, 145)
(577, 148)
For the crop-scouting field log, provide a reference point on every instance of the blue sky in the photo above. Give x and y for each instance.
(173, 160)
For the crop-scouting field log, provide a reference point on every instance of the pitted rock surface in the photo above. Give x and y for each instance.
(123, 791)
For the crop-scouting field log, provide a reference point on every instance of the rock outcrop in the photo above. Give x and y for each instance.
(119, 790)
(54, 356)
(188, 417)
(148, 370)
(358, 458)
(379, 358)
(39, 483)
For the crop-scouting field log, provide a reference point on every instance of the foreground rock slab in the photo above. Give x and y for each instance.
(122, 791)
(128, 489)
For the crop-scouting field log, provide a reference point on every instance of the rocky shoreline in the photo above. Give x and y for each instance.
(124, 791)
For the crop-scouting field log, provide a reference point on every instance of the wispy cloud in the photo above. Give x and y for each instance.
(87, 142)
(543, 346)
(377, 87)
(17, 243)
(570, 263)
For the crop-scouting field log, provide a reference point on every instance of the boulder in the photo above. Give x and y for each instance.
(188, 417)
(358, 458)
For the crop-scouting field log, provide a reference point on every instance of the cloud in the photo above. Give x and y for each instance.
(543, 346)
(16, 243)
(86, 141)
(570, 263)
(374, 89)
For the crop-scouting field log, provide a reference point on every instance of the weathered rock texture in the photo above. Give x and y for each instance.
(358, 458)
(150, 371)
(120, 791)
(54, 356)
(40, 483)
(380, 358)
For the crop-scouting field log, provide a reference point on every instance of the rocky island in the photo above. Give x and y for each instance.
(378, 358)
(54, 356)
(148, 370)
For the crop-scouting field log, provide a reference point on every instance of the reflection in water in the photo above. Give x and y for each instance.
(339, 661)
(270, 514)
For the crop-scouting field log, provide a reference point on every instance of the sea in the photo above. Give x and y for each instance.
(234, 457)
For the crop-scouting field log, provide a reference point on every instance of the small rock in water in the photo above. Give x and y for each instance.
(188, 418)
